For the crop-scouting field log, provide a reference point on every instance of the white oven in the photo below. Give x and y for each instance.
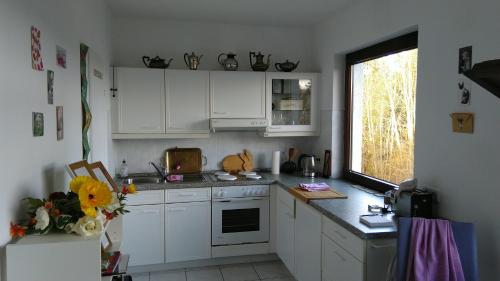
(240, 215)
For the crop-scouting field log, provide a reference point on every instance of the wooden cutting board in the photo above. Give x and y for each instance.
(307, 196)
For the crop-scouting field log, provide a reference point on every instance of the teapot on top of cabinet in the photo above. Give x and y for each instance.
(155, 62)
(286, 66)
(259, 64)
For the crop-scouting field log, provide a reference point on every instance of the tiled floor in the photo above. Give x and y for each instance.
(269, 271)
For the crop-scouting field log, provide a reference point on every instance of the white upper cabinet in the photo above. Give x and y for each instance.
(187, 98)
(139, 101)
(237, 94)
(292, 104)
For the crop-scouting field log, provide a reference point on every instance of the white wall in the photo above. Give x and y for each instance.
(133, 39)
(171, 39)
(463, 169)
(34, 166)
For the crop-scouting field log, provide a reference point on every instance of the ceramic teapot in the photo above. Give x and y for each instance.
(229, 63)
(192, 61)
(155, 62)
(286, 66)
(259, 64)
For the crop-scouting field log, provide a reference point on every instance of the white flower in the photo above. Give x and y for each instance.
(88, 226)
(115, 203)
(42, 218)
(69, 227)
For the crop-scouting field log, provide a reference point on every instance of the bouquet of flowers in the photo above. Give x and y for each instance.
(84, 210)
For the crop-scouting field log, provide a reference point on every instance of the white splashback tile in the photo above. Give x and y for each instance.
(138, 153)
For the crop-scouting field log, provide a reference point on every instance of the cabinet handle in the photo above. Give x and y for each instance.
(340, 234)
(143, 212)
(382, 246)
(339, 255)
(185, 194)
(176, 209)
(221, 113)
(148, 127)
(274, 128)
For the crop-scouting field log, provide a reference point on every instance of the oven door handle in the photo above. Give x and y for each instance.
(240, 199)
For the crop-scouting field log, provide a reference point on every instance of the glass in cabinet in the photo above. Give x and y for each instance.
(291, 100)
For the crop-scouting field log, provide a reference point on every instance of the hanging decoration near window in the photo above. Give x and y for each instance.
(86, 114)
(464, 83)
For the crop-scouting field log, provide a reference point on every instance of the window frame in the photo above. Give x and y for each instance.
(389, 47)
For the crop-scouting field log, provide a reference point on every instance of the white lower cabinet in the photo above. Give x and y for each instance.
(307, 243)
(338, 264)
(187, 231)
(143, 234)
(285, 232)
(298, 235)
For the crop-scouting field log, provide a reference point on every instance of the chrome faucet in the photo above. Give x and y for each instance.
(159, 171)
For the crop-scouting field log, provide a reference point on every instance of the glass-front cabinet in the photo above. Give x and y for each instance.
(292, 104)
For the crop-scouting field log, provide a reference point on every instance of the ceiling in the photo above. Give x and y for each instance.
(293, 13)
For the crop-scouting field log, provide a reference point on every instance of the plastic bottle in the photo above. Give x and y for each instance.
(124, 169)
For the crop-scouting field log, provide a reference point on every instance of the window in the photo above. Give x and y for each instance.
(381, 83)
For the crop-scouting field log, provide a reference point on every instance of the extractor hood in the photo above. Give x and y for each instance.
(237, 124)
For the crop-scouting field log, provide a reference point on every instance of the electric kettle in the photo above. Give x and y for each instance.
(307, 165)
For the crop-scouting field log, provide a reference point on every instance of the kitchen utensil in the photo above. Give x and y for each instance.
(229, 63)
(183, 161)
(289, 167)
(247, 160)
(192, 61)
(327, 165)
(307, 196)
(307, 165)
(236, 163)
(286, 66)
(253, 177)
(155, 62)
(259, 64)
(227, 177)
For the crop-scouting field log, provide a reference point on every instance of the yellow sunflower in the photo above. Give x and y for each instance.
(77, 182)
(94, 194)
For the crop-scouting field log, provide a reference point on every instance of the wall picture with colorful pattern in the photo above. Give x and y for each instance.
(36, 50)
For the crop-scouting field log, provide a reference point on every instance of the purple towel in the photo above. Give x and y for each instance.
(433, 254)
(320, 186)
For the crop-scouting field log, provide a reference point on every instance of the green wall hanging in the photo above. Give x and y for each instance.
(86, 114)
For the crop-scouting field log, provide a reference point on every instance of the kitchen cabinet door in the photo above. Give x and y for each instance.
(139, 101)
(237, 94)
(143, 234)
(292, 104)
(285, 228)
(187, 231)
(338, 264)
(187, 101)
(307, 243)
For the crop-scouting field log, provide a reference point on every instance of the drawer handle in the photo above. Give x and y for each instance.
(187, 194)
(382, 246)
(340, 234)
(176, 209)
(221, 113)
(148, 212)
(339, 255)
(274, 128)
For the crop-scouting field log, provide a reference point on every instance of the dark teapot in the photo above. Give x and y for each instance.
(259, 64)
(155, 62)
(286, 66)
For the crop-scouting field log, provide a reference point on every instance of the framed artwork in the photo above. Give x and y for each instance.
(464, 59)
(50, 86)
(102, 175)
(60, 122)
(36, 49)
(61, 56)
(38, 126)
(81, 168)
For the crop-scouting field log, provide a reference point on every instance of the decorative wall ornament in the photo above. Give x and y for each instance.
(50, 87)
(61, 56)
(464, 67)
(38, 126)
(60, 123)
(86, 114)
(36, 50)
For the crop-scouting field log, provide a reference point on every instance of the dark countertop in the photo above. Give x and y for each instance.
(345, 212)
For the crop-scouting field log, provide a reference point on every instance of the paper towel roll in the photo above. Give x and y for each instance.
(276, 163)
